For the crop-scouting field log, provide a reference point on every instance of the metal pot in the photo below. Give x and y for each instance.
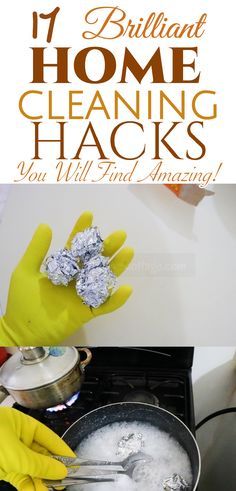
(144, 413)
(40, 378)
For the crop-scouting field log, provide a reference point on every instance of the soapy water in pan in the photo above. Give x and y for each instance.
(168, 456)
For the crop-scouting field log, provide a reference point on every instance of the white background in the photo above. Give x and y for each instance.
(166, 308)
(215, 62)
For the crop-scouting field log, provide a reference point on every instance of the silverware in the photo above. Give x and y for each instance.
(51, 485)
(82, 471)
(77, 461)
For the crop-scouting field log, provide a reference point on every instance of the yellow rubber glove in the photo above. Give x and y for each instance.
(25, 448)
(39, 313)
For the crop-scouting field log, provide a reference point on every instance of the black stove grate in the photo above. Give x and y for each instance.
(102, 387)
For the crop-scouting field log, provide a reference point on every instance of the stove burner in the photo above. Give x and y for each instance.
(136, 395)
(67, 404)
(110, 383)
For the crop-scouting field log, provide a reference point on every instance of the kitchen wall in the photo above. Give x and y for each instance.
(4, 191)
(214, 377)
(193, 250)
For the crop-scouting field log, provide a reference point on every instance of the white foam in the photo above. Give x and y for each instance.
(169, 457)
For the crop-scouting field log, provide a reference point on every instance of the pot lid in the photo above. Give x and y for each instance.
(20, 374)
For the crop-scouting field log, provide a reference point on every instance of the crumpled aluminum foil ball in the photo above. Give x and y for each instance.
(95, 281)
(176, 483)
(61, 267)
(130, 444)
(96, 261)
(87, 244)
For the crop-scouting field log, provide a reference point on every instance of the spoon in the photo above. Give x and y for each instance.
(97, 470)
(77, 462)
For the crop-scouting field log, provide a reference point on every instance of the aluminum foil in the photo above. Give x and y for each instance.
(95, 281)
(95, 262)
(176, 482)
(61, 267)
(130, 445)
(87, 244)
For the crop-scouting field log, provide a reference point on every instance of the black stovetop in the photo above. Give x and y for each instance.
(155, 375)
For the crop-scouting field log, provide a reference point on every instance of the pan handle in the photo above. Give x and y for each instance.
(3, 393)
(88, 358)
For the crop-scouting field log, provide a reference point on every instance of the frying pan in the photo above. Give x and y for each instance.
(139, 412)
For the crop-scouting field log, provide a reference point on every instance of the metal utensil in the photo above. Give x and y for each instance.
(96, 470)
(125, 464)
(64, 483)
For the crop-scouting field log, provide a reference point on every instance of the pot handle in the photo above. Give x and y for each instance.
(3, 393)
(88, 358)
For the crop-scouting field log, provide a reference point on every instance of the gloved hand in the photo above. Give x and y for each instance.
(39, 313)
(25, 448)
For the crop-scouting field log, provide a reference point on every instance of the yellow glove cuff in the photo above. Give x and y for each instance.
(6, 338)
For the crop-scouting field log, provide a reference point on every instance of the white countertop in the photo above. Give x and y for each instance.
(189, 299)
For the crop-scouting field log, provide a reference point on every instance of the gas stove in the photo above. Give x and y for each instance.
(159, 376)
